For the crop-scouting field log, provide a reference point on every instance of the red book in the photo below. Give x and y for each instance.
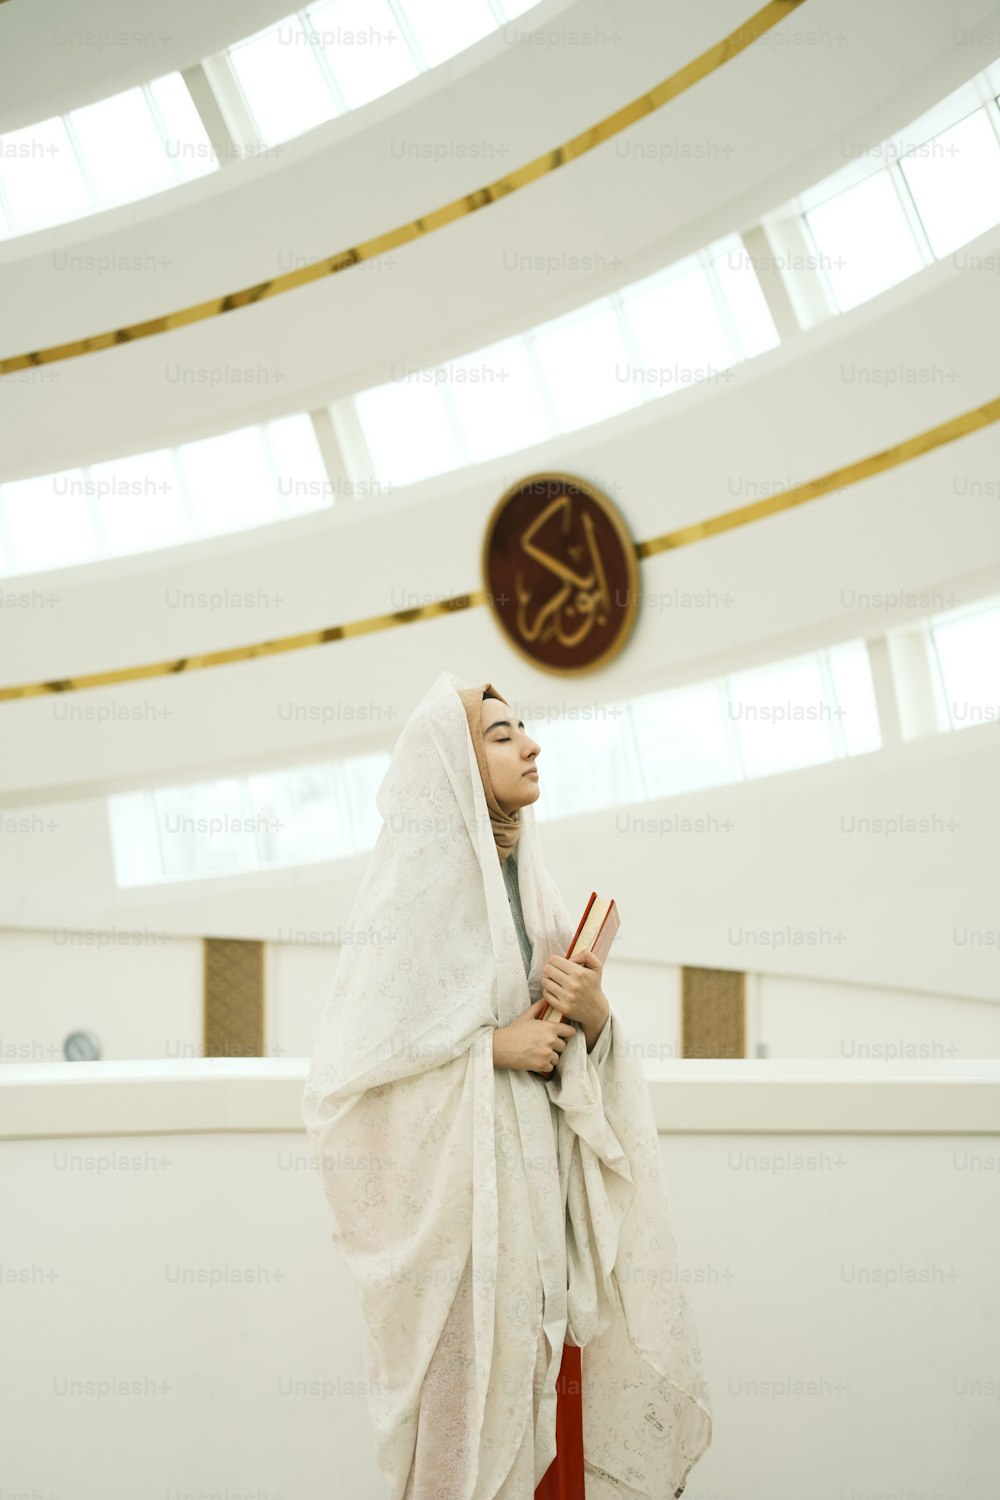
(596, 931)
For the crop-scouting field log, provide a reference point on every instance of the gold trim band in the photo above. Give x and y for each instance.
(837, 479)
(692, 72)
(813, 489)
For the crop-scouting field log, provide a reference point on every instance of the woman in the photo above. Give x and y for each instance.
(493, 1179)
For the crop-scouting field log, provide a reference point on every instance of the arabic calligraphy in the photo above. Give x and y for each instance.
(556, 557)
(588, 600)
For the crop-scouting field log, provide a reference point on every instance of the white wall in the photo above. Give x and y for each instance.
(814, 1018)
(299, 977)
(846, 1323)
(138, 989)
(141, 993)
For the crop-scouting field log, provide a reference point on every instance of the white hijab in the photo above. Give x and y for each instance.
(428, 1153)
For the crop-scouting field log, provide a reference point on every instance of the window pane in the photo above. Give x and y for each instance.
(782, 718)
(363, 775)
(204, 829)
(229, 481)
(407, 429)
(135, 848)
(968, 653)
(742, 291)
(189, 149)
(297, 816)
(49, 520)
(852, 679)
(364, 47)
(41, 175)
(122, 147)
(498, 401)
(281, 82)
(301, 477)
(139, 502)
(955, 182)
(678, 332)
(587, 367)
(586, 762)
(683, 740)
(444, 27)
(864, 241)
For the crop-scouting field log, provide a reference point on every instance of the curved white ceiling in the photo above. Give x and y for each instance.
(777, 587)
(803, 411)
(82, 54)
(452, 291)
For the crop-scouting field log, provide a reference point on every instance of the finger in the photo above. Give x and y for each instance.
(557, 961)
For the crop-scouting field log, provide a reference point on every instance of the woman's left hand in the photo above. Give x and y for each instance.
(573, 986)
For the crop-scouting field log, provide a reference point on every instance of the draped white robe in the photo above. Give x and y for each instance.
(489, 1214)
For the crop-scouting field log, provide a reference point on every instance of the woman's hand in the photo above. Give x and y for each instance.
(573, 986)
(530, 1044)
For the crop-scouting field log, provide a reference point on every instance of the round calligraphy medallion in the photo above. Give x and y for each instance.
(560, 573)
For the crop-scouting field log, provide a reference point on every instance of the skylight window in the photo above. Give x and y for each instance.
(408, 425)
(364, 48)
(685, 742)
(955, 182)
(122, 146)
(967, 652)
(444, 27)
(41, 175)
(497, 399)
(737, 280)
(282, 82)
(127, 146)
(664, 333)
(47, 521)
(864, 240)
(678, 330)
(755, 723)
(236, 480)
(268, 820)
(586, 364)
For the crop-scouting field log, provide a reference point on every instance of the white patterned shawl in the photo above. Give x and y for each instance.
(427, 1153)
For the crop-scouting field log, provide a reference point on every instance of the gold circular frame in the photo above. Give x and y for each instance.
(629, 552)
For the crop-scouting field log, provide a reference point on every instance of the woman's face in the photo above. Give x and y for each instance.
(510, 756)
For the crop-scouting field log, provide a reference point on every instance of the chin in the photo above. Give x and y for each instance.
(529, 793)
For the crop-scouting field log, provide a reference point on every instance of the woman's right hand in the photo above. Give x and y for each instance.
(529, 1043)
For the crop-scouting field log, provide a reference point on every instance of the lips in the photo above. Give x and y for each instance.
(533, 771)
